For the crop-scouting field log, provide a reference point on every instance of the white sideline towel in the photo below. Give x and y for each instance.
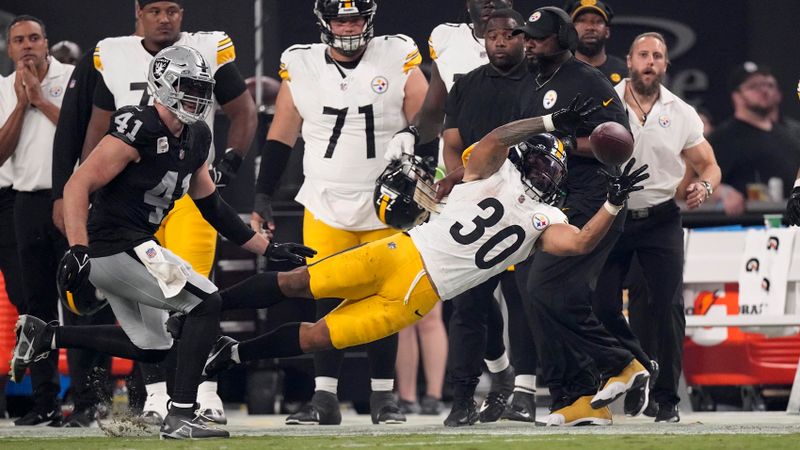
(171, 276)
(764, 271)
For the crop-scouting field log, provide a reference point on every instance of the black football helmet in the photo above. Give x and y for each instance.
(394, 192)
(542, 161)
(85, 300)
(325, 10)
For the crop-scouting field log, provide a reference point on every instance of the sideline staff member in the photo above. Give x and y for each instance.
(571, 344)
(30, 102)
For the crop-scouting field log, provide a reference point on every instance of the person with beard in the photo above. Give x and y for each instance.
(750, 147)
(573, 348)
(668, 133)
(471, 114)
(456, 49)
(592, 21)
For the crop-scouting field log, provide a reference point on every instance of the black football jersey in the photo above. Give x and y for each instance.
(129, 209)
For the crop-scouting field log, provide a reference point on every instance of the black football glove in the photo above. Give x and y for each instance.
(74, 268)
(262, 205)
(620, 186)
(567, 120)
(227, 167)
(792, 216)
(289, 251)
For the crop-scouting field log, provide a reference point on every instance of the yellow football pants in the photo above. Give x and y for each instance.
(188, 235)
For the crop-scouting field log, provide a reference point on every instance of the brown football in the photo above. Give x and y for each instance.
(611, 143)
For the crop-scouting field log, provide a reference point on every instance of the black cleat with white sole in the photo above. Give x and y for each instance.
(177, 426)
(219, 358)
(384, 409)
(33, 344)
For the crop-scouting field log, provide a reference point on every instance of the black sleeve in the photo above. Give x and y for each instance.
(230, 83)
(103, 98)
(73, 120)
(224, 218)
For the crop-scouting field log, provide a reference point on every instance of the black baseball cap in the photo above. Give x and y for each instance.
(541, 24)
(744, 71)
(143, 3)
(577, 7)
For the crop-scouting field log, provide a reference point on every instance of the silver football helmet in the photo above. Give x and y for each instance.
(180, 79)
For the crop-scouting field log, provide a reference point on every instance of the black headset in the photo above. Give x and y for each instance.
(567, 35)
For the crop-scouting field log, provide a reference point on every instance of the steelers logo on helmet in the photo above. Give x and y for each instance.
(535, 16)
(542, 162)
(327, 10)
(180, 79)
(393, 197)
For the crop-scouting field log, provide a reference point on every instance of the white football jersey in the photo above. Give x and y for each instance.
(347, 122)
(456, 51)
(123, 63)
(485, 227)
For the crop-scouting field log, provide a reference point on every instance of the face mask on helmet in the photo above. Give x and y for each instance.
(326, 10)
(542, 163)
(393, 197)
(180, 79)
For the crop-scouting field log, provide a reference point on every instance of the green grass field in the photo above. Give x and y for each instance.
(434, 441)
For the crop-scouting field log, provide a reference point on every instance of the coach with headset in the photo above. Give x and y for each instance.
(574, 349)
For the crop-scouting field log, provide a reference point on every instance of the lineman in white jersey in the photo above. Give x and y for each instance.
(347, 96)
(496, 218)
(123, 64)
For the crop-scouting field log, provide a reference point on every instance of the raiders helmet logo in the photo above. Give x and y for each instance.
(159, 67)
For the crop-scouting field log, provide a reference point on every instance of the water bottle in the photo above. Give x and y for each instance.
(775, 189)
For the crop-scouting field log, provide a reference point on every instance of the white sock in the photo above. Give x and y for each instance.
(525, 383)
(235, 353)
(381, 384)
(156, 388)
(207, 386)
(183, 405)
(498, 365)
(327, 384)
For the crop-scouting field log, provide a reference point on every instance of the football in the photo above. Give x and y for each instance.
(611, 143)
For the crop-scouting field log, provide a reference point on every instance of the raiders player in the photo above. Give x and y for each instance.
(347, 96)
(151, 156)
(493, 220)
(122, 63)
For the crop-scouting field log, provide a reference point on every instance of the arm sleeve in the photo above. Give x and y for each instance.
(274, 157)
(76, 109)
(223, 218)
(103, 98)
(230, 83)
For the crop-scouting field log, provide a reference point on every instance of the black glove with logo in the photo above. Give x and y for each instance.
(227, 167)
(567, 120)
(74, 268)
(620, 186)
(792, 216)
(289, 251)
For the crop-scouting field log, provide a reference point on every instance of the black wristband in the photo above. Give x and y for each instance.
(274, 157)
(224, 218)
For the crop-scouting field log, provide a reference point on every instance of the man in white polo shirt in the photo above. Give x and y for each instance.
(30, 102)
(667, 133)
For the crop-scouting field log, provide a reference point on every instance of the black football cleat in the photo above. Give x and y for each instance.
(492, 407)
(462, 414)
(178, 426)
(323, 409)
(33, 344)
(522, 408)
(219, 358)
(37, 418)
(668, 413)
(384, 409)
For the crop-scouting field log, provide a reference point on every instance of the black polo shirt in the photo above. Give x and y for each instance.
(615, 69)
(484, 99)
(586, 189)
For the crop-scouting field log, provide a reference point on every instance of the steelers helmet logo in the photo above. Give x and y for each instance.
(159, 67)
(380, 84)
(550, 98)
(540, 221)
(535, 16)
